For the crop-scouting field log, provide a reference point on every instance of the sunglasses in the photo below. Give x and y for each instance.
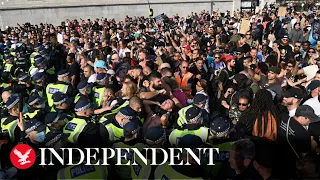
(240, 104)
(248, 34)
(238, 53)
(296, 46)
(217, 57)
(311, 52)
(289, 66)
(184, 67)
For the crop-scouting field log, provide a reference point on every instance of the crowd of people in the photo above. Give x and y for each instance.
(162, 82)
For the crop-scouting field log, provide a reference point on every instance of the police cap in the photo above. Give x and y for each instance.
(199, 99)
(193, 114)
(53, 117)
(54, 136)
(82, 85)
(220, 126)
(38, 77)
(35, 99)
(63, 73)
(34, 125)
(128, 113)
(12, 101)
(83, 104)
(59, 98)
(130, 129)
(189, 141)
(23, 77)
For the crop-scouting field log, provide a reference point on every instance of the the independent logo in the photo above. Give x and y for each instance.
(22, 156)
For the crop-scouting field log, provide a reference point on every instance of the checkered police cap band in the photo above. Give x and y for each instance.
(195, 119)
(32, 128)
(54, 121)
(63, 75)
(84, 88)
(53, 140)
(34, 101)
(60, 102)
(125, 116)
(220, 134)
(83, 108)
(23, 77)
(13, 104)
(101, 80)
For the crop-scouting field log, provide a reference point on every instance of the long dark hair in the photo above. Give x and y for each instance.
(262, 105)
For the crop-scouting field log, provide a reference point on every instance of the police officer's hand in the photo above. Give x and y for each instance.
(21, 122)
(162, 91)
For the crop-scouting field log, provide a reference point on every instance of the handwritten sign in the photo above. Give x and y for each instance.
(282, 11)
(244, 26)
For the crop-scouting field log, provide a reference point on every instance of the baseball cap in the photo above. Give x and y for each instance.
(34, 125)
(228, 58)
(12, 101)
(59, 98)
(128, 113)
(130, 129)
(100, 64)
(310, 71)
(63, 73)
(275, 69)
(293, 92)
(83, 104)
(285, 36)
(53, 117)
(34, 99)
(193, 114)
(111, 72)
(199, 99)
(313, 85)
(53, 137)
(308, 112)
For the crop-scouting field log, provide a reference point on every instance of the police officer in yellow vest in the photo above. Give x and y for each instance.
(37, 108)
(84, 91)
(83, 131)
(62, 85)
(99, 89)
(219, 138)
(39, 84)
(8, 72)
(132, 139)
(114, 123)
(62, 104)
(55, 121)
(9, 124)
(83, 171)
(194, 127)
(199, 100)
(193, 171)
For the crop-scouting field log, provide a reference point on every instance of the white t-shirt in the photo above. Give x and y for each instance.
(292, 112)
(315, 104)
(92, 78)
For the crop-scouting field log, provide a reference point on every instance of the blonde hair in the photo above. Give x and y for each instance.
(130, 89)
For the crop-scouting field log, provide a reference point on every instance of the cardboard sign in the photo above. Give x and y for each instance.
(244, 26)
(282, 11)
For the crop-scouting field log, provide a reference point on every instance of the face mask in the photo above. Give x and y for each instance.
(68, 82)
(40, 136)
(43, 106)
(121, 125)
(89, 91)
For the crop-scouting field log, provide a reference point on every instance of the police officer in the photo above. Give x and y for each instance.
(83, 171)
(114, 123)
(100, 87)
(37, 109)
(24, 85)
(132, 139)
(84, 91)
(82, 130)
(199, 100)
(8, 72)
(55, 121)
(194, 171)
(9, 124)
(4, 111)
(35, 130)
(62, 104)
(62, 85)
(194, 127)
(219, 138)
(39, 84)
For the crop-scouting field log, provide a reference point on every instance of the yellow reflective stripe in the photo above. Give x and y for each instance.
(75, 137)
(65, 88)
(171, 137)
(204, 134)
(111, 134)
(11, 130)
(103, 172)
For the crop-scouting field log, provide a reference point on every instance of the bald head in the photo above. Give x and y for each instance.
(135, 103)
(5, 96)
